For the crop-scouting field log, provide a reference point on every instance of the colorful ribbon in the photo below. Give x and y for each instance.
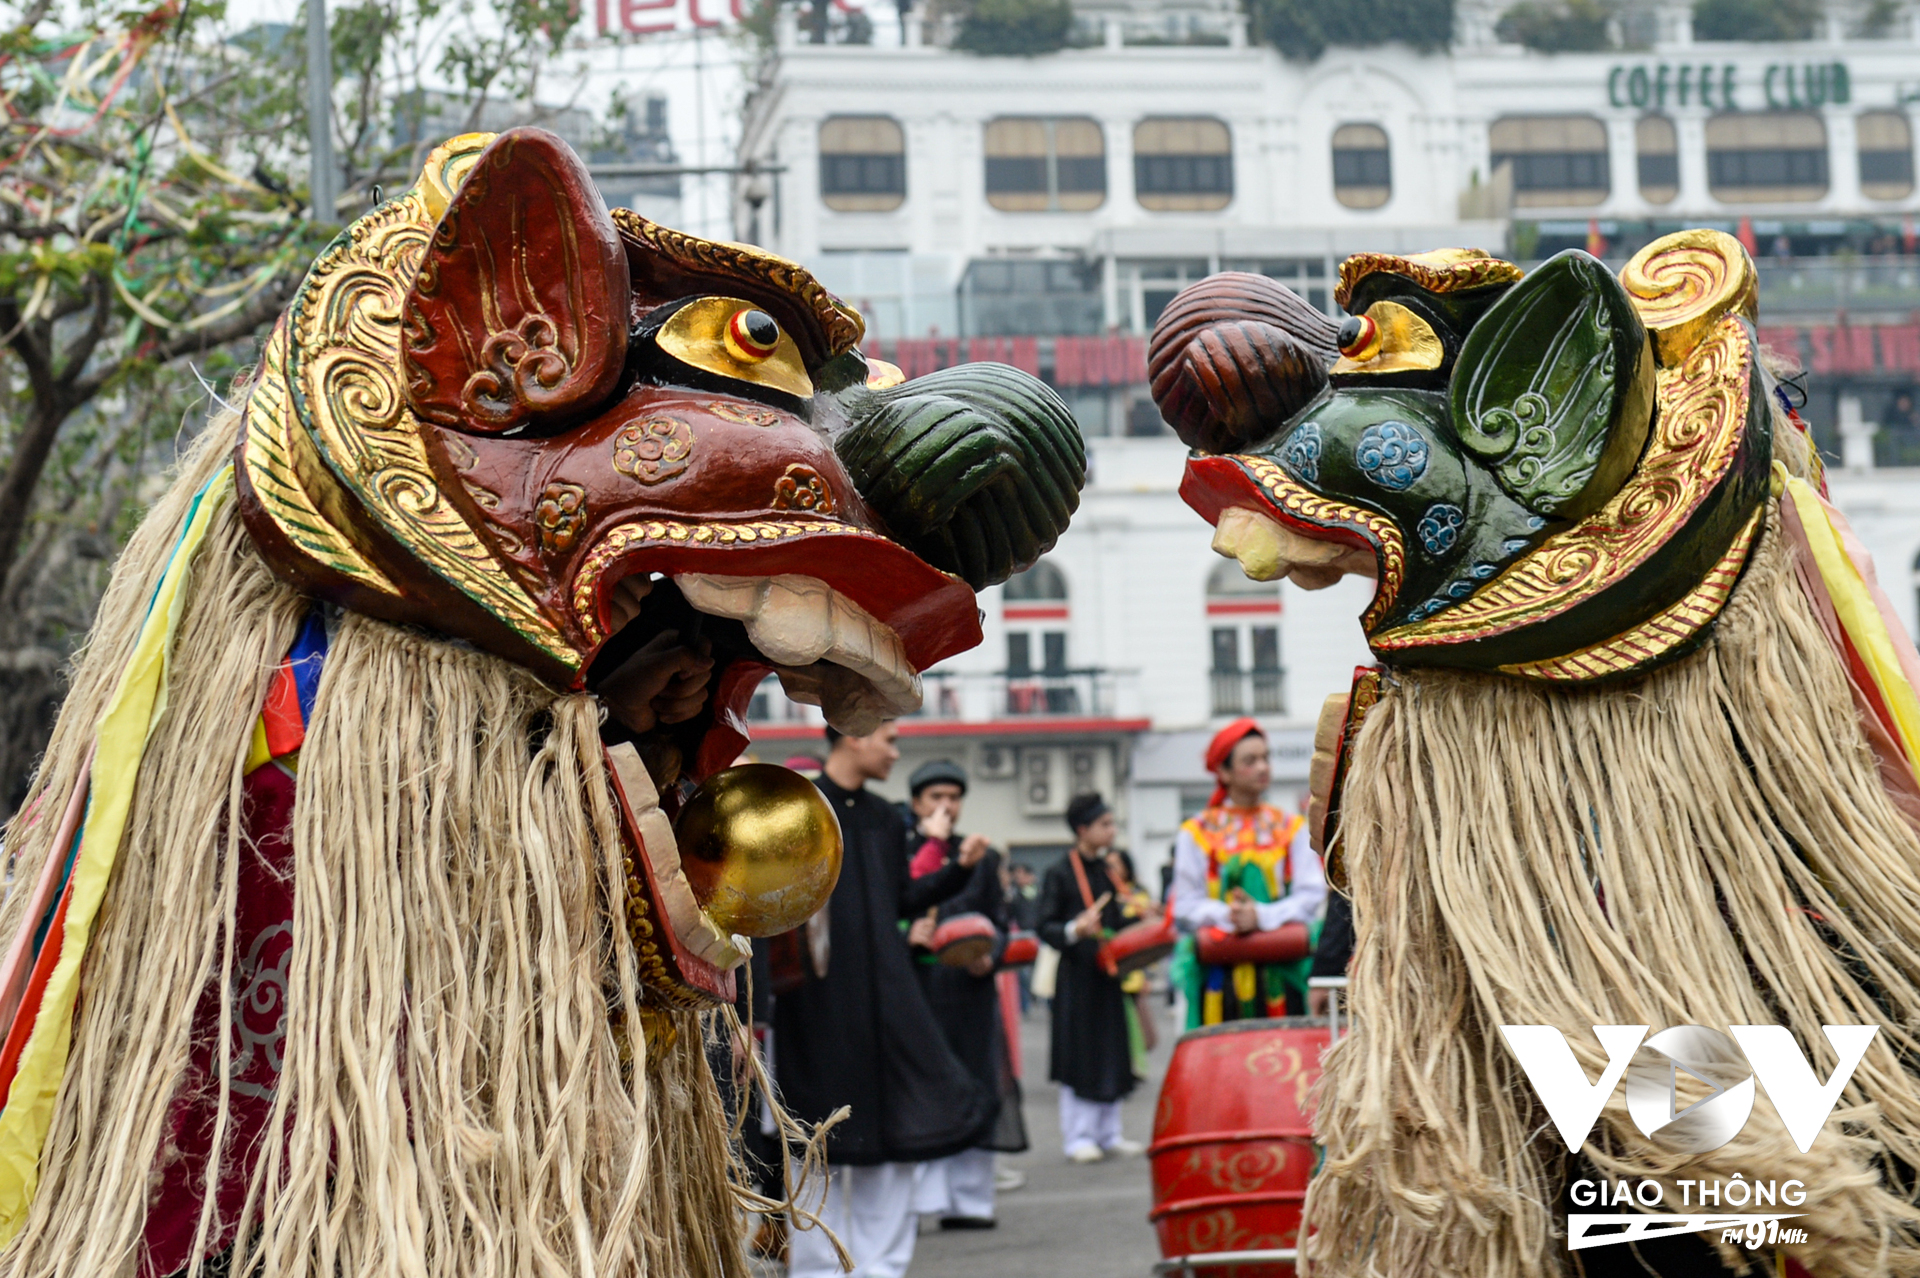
(1873, 630)
(120, 743)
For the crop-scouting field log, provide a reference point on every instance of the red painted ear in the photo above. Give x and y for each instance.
(519, 313)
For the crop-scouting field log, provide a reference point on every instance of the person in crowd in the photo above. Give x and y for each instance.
(861, 1034)
(1023, 908)
(1243, 866)
(1023, 897)
(966, 1001)
(1334, 950)
(1091, 1053)
(1135, 905)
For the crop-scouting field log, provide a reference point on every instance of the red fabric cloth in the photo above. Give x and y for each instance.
(263, 948)
(1220, 749)
(931, 856)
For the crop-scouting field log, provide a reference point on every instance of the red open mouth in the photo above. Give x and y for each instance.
(844, 617)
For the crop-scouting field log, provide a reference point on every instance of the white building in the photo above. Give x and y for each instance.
(1044, 210)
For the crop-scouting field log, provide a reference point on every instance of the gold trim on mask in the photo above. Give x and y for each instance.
(1441, 271)
(1683, 283)
(277, 484)
(620, 540)
(353, 444)
(1659, 634)
(1702, 413)
(841, 324)
(1310, 507)
(1406, 343)
(696, 335)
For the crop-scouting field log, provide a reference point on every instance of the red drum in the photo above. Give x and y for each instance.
(1022, 949)
(1233, 1142)
(960, 940)
(1139, 945)
(1282, 945)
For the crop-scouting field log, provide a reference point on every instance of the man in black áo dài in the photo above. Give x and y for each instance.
(1092, 1054)
(861, 1034)
(965, 1000)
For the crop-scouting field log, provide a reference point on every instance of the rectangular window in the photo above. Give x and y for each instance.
(1362, 166)
(1019, 654)
(1054, 643)
(1182, 165)
(1266, 647)
(1046, 165)
(1767, 157)
(1555, 160)
(1886, 155)
(1226, 650)
(863, 164)
(1657, 148)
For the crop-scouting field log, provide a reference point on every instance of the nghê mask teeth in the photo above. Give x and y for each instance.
(829, 651)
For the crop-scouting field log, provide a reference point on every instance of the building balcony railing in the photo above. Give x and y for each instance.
(1826, 285)
(1249, 692)
(954, 696)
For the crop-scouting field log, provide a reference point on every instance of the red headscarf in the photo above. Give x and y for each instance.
(1220, 749)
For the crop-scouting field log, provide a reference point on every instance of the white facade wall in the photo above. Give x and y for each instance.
(1136, 559)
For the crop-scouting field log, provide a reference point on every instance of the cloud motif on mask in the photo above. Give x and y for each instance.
(1393, 455)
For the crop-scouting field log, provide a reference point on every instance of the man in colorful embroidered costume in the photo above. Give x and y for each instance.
(1642, 749)
(1243, 868)
(361, 827)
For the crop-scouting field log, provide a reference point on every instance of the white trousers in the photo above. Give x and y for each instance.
(961, 1185)
(1085, 1122)
(871, 1209)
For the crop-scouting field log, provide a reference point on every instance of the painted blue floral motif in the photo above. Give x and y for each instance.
(1392, 454)
(1301, 455)
(1457, 589)
(1440, 527)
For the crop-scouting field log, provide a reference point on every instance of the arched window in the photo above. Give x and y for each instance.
(1767, 156)
(863, 163)
(1182, 165)
(1046, 165)
(1362, 166)
(1042, 581)
(1040, 679)
(1886, 155)
(1557, 160)
(1243, 621)
(1658, 151)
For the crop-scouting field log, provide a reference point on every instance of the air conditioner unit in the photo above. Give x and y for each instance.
(1042, 781)
(998, 763)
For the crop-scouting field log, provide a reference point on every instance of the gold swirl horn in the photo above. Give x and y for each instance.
(761, 848)
(1683, 283)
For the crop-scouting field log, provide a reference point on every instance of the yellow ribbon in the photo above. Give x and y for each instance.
(137, 705)
(1854, 605)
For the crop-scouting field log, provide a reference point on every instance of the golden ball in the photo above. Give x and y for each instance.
(761, 847)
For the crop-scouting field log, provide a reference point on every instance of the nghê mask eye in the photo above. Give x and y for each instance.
(731, 338)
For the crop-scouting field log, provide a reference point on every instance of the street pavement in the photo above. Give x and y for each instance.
(1069, 1220)
(1083, 1221)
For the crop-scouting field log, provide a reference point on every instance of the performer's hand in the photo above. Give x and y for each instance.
(921, 933)
(982, 966)
(938, 824)
(972, 848)
(624, 600)
(1087, 922)
(664, 682)
(1245, 915)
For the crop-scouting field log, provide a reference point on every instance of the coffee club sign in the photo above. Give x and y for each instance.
(1726, 86)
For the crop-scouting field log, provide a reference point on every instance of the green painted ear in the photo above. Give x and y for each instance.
(976, 469)
(1553, 390)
